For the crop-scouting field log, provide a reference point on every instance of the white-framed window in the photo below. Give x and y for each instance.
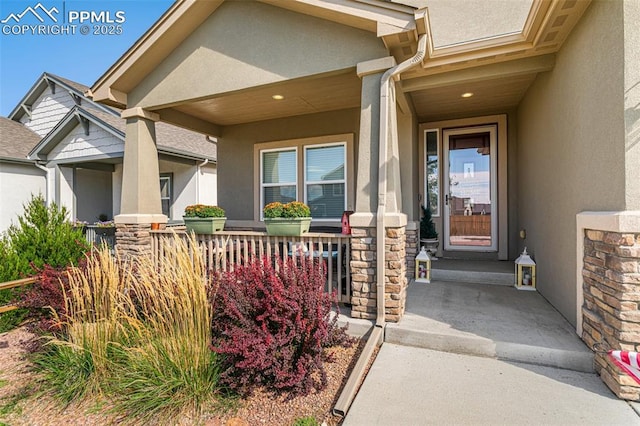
(432, 171)
(325, 180)
(166, 193)
(278, 176)
(312, 170)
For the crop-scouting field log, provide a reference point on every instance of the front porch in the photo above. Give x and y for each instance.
(492, 321)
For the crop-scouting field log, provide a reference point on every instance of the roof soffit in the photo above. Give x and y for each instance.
(547, 26)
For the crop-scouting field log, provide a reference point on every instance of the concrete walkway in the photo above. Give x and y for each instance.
(415, 386)
(478, 354)
(489, 320)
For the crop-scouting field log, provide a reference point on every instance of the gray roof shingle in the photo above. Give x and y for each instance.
(16, 140)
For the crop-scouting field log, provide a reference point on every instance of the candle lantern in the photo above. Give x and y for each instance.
(525, 272)
(423, 267)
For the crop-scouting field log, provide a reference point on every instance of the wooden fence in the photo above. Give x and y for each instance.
(13, 284)
(476, 225)
(223, 250)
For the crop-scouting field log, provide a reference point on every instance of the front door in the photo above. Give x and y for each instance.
(470, 189)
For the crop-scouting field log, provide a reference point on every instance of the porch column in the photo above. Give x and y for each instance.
(140, 203)
(608, 255)
(363, 221)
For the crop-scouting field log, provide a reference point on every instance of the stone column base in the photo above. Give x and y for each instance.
(133, 240)
(364, 272)
(610, 313)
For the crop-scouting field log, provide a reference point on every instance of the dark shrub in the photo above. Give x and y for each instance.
(47, 294)
(271, 324)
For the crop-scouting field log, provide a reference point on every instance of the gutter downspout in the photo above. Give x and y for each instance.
(387, 94)
(377, 334)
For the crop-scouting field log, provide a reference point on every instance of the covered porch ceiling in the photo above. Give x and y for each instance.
(495, 87)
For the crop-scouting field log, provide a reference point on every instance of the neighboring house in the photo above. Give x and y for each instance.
(80, 145)
(19, 177)
(524, 115)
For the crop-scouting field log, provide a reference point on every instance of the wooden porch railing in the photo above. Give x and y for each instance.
(223, 250)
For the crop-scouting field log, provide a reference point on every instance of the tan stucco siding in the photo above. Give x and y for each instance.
(632, 102)
(236, 157)
(246, 44)
(571, 148)
(408, 149)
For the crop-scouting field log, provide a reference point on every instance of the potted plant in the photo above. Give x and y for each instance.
(428, 233)
(292, 219)
(204, 219)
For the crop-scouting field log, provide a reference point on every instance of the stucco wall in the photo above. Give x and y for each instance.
(93, 195)
(632, 102)
(64, 190)
(17, 184)
(208, 185)
(571, 148)
(408, 148)
(235, 152)
(184, 185)
(244, 44)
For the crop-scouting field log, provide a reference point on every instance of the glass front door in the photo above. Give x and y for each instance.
(470, 220)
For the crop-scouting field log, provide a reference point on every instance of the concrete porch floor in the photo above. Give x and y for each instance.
(494, 321)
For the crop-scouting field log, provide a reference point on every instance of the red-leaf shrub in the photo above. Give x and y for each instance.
(46, 294)
(271, 324)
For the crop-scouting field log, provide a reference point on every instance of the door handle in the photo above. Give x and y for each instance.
(446, 199)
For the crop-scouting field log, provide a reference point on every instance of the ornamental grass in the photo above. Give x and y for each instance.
(137, 334)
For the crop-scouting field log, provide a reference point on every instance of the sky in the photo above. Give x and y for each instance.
(55, 42)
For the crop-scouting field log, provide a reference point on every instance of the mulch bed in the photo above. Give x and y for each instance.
(22, 404)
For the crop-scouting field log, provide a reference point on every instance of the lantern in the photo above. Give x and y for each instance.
(423, 267)
(525, 272)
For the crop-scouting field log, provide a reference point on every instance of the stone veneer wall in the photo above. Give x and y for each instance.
(133, 240)
(611, 311)
(412, 247)
(363, 273)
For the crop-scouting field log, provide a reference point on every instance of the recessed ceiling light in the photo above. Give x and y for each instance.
(467, 95)
(278, 97)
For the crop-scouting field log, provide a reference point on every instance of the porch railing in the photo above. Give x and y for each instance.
(100, 235)
(223, 250)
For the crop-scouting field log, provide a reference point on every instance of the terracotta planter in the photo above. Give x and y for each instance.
(287, 226)
(204, 225)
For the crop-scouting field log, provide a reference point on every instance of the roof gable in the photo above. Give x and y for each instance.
(46, 80)
(185, 16)
(223, 56)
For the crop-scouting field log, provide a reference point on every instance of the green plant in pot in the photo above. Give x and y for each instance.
(290, 219)
(204, 219)
(428, 233)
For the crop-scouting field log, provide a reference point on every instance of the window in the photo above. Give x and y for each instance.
(166, 193)
(311, 170)
(279, 176)
(325, 180)
(432, 177)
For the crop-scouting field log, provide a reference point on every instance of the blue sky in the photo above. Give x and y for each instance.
(24, 56)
